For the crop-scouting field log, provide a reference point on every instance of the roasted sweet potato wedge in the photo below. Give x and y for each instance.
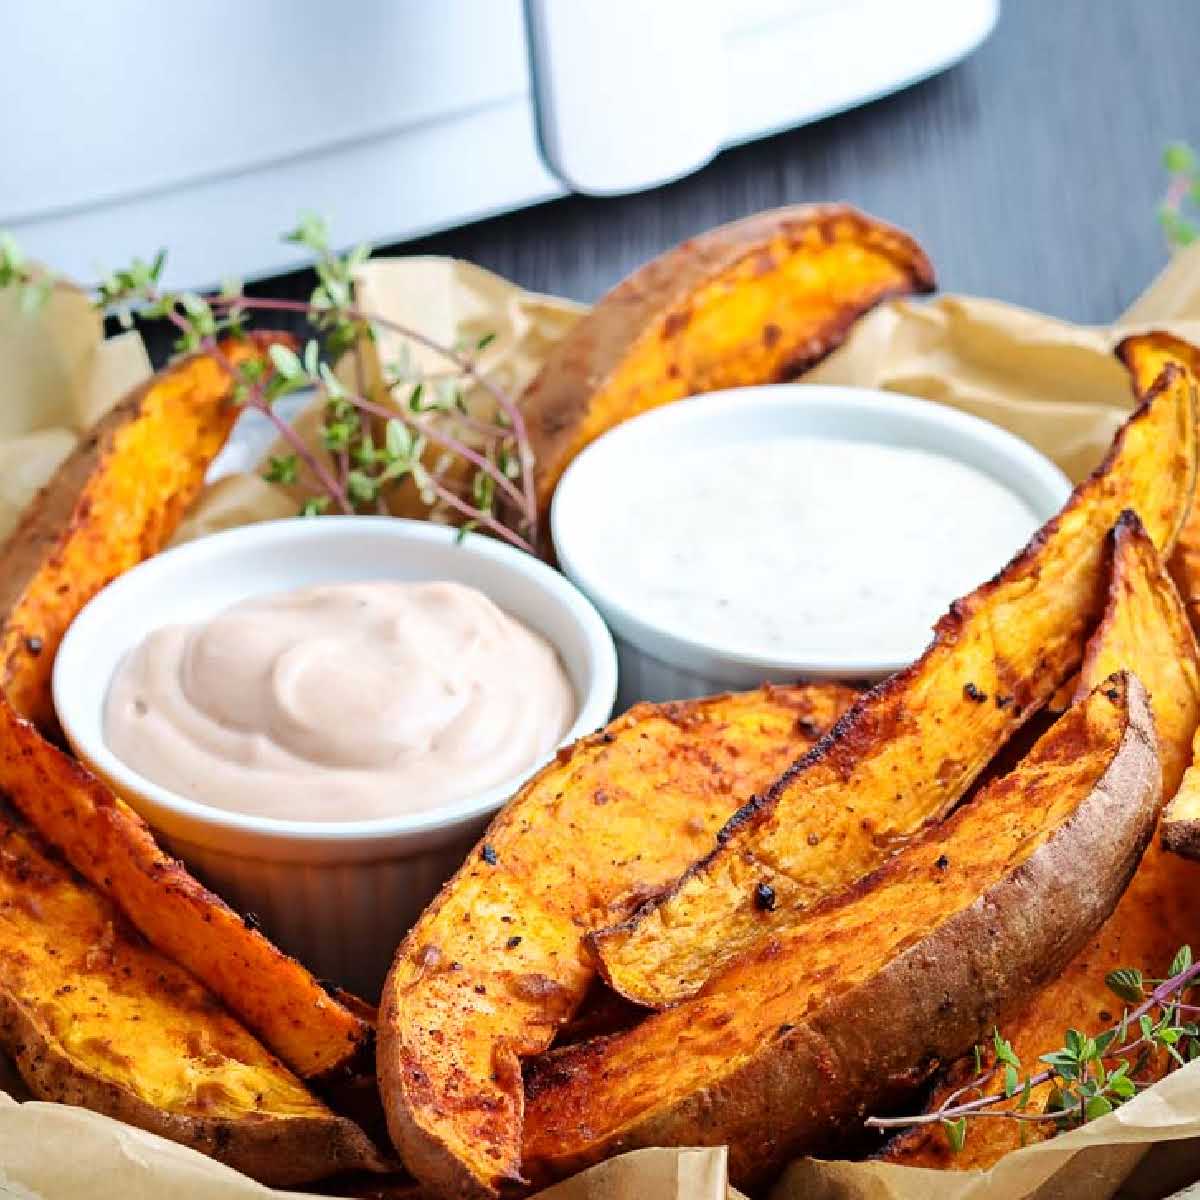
(1146, 356)
(115, 501)
(1144, 630)
(496, 967)
(756, 301)
(910, 749)
(112, 847)
(95, 1017)
(1181, 822)
(780, 1053)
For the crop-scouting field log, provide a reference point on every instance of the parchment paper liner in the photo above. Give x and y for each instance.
(1055, 384)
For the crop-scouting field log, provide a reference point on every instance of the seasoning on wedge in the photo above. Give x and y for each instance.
(755, 301)
(910, 749)
(113, 848)
(93, 1016)
(115, 501)
(783, 1051)
(1144, 630)
(496, 965)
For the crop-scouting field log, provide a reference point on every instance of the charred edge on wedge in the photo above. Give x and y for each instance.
(859, 723)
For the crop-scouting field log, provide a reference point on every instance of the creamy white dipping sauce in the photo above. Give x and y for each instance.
(772, 549)
(340, 703)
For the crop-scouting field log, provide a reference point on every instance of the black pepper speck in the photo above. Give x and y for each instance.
(764, 897)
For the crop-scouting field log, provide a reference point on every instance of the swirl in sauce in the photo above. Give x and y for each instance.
(340, 703)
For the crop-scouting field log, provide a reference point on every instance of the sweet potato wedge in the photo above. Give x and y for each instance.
(495, 966)
(780, 1053)
(1146, 356)
(113, 848)
(1144, 630)
(95, 1017)
(755, 301)
(1181, 822)
(910, 749)
(115, 501)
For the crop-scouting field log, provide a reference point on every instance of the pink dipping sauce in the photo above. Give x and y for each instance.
(340, 703)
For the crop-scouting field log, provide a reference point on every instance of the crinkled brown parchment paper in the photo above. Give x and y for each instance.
(1057, 385)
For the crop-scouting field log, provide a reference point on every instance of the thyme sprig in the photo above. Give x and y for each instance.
(1088, 1076)
(375, 442)
(1182, 196)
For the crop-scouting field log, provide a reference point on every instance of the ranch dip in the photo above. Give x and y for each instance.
(340, 703)
(771, 549)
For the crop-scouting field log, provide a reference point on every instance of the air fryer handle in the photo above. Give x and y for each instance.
(627, 94)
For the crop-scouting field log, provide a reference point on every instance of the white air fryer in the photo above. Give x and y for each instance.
(135, 124)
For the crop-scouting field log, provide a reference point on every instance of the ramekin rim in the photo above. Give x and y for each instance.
(675, 649)
(595, 705)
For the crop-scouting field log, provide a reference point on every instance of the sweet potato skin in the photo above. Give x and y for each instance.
(115, 501)
(783, 1052)
(495, 967)
(114, 849)
(910, 749)
(756, 301)
(1144, 630)
(94, 1017)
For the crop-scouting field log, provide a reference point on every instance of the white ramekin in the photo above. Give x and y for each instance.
(338, 895)
(660, 663)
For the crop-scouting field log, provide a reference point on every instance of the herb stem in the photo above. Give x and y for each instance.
(442, 439)
(351, 470)
(461, 361)
(310, 460)
(447, 496)
(254, 399)
(949, 1110)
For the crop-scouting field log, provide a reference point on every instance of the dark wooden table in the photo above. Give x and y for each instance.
(1031, 171)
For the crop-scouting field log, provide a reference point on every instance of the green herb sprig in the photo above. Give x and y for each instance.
(1182, 197)
(1088, 1075)
(373, 446)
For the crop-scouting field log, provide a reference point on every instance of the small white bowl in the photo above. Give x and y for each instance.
(337, 894)
(658, 662)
